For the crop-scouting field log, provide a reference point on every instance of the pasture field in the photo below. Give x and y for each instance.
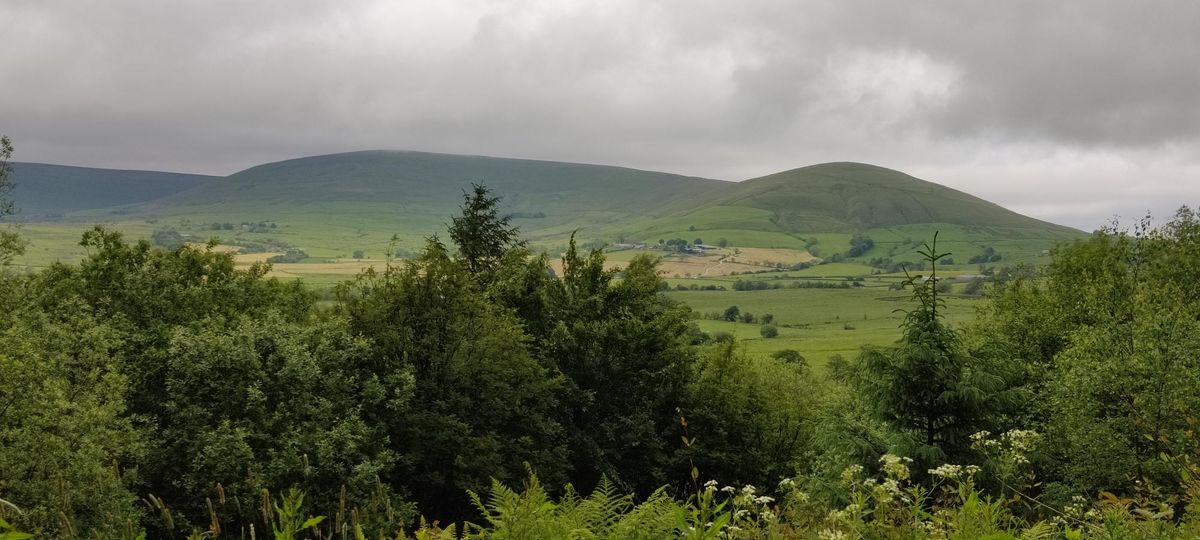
(818, 323)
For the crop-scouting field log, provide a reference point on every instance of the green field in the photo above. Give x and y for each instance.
(818, 323)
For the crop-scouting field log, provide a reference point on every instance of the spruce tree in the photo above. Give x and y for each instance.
(482, 235)
(928, 389)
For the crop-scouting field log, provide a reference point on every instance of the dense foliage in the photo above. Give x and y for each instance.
(163, 392)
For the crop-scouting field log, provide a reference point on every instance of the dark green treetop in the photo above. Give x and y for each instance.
(482, 235)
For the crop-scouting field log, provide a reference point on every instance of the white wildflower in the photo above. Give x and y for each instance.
(851, 473)
(829, 534)
(894, 466)
(947, 470)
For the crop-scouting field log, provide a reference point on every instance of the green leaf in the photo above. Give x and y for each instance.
(15, 536)
(312, 522)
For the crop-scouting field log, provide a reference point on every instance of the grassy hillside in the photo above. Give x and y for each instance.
(433, 183)
(49, 191)
(827, 203)
(334, 205)
(855, 196)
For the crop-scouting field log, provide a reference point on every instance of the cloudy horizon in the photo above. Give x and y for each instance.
(1071, 112)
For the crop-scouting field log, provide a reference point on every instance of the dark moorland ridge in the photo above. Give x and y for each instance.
(45, 190)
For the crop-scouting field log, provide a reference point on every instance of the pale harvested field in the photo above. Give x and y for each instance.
(722, 262)
(557, 265)
(707, 266)
(219, 248)
(251, 258)
(713, 264)
(335, 268)
(770, 256)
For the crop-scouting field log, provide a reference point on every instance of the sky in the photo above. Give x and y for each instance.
(1074, 112)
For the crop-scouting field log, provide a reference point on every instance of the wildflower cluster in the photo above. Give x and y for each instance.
(1008, 455)
(1078, 510)
(742, 510)
(877, 503)
(957, 473)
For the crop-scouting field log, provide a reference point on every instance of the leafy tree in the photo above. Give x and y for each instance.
(624, 352)
(486, 405)
(358, 254)
(721, 242)
(767, 318)
(731, 314)
(6, 184)
(167, 239)
(481, 234)
(747, 317)
(790, 356)
(1107, 343)
(144, 297)
(11, 243)
(68, 453)
(270, 403)
(747, 418)
(290, 256)
(859, 244)
(768, 331)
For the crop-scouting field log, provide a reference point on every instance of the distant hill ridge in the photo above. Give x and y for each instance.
(46, 190)
(429, 179)
(352, 195)
(849, 196)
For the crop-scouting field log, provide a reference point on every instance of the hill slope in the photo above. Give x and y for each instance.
(336, 204)
(847, 197)
(426, 180)
(45, 191)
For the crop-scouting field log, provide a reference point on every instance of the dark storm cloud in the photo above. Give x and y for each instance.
(1070, 111)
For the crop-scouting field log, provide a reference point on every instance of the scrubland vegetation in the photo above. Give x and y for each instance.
(165, 393)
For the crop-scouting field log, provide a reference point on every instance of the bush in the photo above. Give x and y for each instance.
(167, 239)
(722, 337)
(768, 331)
(731, 314)
(292, 256)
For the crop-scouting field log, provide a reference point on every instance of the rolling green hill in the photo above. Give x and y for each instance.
(425, 182)
(47, 191)
(334, 204)
(830, 202)
(848, 197)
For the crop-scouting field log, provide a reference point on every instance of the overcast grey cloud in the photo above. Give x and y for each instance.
(1067, 111)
